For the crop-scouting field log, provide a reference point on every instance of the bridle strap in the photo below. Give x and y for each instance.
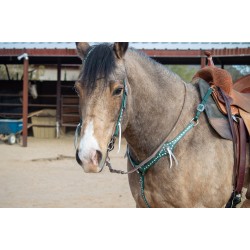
(77, 133)
(123, 107)
(117, 127)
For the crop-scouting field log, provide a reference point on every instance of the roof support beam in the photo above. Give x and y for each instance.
(203, 62)
(25, 99)
(58, 99)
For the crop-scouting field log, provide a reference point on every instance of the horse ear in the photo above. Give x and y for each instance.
(82, 49)
(120, 49)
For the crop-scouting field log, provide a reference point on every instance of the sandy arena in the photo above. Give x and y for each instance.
(45, 174)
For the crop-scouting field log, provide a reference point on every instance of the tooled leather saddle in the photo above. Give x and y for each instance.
(228, 112)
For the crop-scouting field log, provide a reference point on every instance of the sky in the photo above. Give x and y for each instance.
(138, 21)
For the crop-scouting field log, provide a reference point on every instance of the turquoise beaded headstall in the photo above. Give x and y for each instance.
(119, 121)
(118, 129)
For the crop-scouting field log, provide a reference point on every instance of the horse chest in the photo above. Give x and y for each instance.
(178, 187)
(160, 188)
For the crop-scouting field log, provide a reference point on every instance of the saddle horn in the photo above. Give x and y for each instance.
(209, 58)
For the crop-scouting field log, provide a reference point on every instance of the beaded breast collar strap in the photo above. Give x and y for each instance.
(167, 148)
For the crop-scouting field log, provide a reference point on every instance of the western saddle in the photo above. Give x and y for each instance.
(228, 112)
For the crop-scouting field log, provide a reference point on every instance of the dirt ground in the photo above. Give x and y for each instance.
(45, 174)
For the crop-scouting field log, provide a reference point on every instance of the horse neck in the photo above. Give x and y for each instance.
(157, 97)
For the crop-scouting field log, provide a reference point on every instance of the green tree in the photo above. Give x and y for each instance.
(186, 72)
(237, 71)
(15, 72)
(3, 73)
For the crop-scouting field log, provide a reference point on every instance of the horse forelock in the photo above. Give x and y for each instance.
(99, 63)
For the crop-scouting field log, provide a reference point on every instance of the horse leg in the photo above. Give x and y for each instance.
(243, 202)
(247, 182)
(248, 192)
(246, 204)
(247, 177)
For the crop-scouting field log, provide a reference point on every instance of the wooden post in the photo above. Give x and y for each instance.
(203, 61)
(58, 100)
(7, 71)
(25, 100)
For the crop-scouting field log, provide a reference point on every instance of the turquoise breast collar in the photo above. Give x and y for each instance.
(167, 148)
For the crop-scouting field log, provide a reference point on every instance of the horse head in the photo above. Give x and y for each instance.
(101, 87)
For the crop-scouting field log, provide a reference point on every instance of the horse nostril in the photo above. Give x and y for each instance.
(99, 156)
(94, 158)
(78, 159)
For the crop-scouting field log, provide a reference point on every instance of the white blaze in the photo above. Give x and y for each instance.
(88, 143)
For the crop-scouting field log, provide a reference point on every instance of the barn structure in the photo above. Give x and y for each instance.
(59, 93)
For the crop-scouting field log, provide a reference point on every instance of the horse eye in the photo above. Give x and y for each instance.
(117, 91)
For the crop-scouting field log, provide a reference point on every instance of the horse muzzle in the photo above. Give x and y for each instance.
(91, 163)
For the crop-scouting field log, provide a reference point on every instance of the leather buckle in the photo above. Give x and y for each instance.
(234, 118)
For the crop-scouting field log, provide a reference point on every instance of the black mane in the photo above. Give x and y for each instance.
(98, 64)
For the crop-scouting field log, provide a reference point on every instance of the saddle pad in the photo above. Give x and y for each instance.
(216, 119)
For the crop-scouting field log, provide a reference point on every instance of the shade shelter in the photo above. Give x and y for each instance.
(60, 54)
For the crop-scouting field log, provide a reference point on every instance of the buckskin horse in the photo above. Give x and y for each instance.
(175, 158)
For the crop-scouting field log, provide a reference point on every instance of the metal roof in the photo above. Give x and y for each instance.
(137, 45)
(187, 46)
(165, 52)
